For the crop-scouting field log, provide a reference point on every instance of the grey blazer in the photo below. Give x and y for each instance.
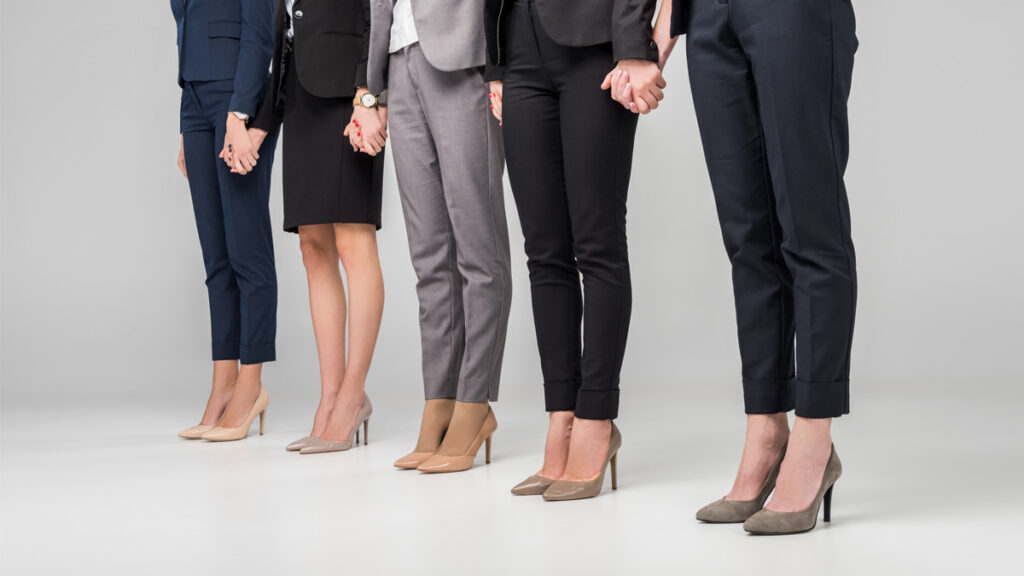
(451, 34)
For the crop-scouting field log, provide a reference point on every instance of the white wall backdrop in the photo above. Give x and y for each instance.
(102, 279)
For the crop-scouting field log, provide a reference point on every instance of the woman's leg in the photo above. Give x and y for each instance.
(533, 154)
(357, 247)
(225, 376)
(327, 307)
(597, 136)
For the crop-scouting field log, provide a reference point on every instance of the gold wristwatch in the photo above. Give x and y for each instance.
(367, 100)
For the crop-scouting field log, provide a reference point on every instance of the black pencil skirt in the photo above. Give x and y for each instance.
(325, 182)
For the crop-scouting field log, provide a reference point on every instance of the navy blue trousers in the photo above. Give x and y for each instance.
(770, 81)
(233, 218)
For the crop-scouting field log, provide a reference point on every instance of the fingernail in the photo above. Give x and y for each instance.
(492, 106)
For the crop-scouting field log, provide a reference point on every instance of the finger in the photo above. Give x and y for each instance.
(627, 95)
(497, 110)
(657, 93)
(650, 100)
(660, 81)
(641, 105)
(607, 82)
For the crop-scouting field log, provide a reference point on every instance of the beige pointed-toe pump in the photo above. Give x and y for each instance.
(579, 489)
(195, 432)
(317, 445)
(259, 408)
(441, 462)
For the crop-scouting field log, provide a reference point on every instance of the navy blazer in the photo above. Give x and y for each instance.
(226, 40)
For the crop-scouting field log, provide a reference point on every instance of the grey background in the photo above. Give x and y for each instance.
(104, 311)
(102, 276)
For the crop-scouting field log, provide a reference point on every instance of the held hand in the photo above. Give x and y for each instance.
(239, 152)
(257, 136)
(370, 129)
(645, 84)
(354, 137)
(181, 158)
(496, 87)
(617, 81)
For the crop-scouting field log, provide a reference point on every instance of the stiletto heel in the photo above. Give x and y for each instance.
(317, 445)
(772, 522)
(487, 451)
(828, 504)
(259, 408)
(578, 489)
(366, 432)
(262, 416)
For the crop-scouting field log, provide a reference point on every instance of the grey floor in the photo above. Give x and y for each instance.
(928, 489)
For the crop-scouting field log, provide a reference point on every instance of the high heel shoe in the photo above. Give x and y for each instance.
(444, 463)
(772, 522)
(317, 445)
(735, 511)
(259, 408)
(195, 432)
(437, 415)
(300, 443)
(579, 489)
(533, 486)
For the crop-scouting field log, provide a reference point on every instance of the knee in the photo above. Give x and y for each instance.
(317, 252)
(356, 244)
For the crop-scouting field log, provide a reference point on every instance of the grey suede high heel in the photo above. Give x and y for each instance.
(772, 522)
(735, 511)
(577, 490)
(318, 445)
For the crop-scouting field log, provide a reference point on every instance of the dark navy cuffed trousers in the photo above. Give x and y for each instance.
(770, 81)
(233, 219)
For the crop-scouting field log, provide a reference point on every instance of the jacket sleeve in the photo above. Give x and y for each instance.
(268, 118)
(255, 51)
(632, 32)
(493, 72)
(364, 48)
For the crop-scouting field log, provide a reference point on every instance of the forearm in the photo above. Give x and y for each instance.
(663, 32)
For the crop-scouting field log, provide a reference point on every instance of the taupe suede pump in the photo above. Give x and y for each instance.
(772, 522)
(317, 445)
(734, 511)
(577, 490)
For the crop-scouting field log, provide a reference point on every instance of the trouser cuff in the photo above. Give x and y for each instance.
(560, 396)
(225, 350)
(478, 391)
(822, 399)
(768, 396)
(597, 404)
(257, 353)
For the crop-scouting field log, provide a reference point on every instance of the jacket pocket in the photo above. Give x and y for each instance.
(225, 29)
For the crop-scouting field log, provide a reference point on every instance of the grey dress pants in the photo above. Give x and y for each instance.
(449, 161)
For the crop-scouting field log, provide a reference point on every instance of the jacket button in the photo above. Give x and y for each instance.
(298, 14)
(654, 44)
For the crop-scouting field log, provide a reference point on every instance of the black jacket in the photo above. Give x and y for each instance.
(624, 23)
(332, 39)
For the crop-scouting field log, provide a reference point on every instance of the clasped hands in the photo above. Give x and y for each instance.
(636, 84)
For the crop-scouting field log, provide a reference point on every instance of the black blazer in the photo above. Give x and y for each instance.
(624, 23)
(332, 39)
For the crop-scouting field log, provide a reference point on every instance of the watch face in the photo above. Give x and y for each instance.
(368, 100)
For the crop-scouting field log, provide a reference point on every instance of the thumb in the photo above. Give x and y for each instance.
(607, 83)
